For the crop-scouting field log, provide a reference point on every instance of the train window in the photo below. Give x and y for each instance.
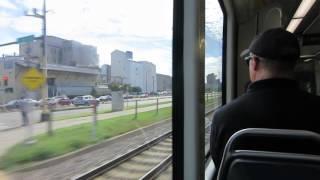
(90, 89)
(213, 63)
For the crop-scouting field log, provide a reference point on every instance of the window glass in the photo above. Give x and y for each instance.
(307, 70)
(99, 83)
(213, 62)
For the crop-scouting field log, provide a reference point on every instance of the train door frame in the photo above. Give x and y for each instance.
(188, 104)
(188, 53)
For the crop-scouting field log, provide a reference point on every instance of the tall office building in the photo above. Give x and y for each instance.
(125, 70)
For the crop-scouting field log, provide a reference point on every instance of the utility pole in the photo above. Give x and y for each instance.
(146, 82)
(153, 83)
(45, 115)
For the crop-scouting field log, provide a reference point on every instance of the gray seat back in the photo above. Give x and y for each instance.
(265, 154)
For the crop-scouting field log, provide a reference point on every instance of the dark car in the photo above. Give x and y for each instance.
(64, 101)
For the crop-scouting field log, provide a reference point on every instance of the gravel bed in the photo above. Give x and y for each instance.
(82, 163)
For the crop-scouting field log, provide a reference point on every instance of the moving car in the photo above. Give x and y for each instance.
(64, 101)
(104, 98)
(86, 100)
(15, 104)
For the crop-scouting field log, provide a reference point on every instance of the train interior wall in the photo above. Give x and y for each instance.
(252, 23)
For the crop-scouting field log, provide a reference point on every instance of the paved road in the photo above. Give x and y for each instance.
(11, 137)
(10, 120)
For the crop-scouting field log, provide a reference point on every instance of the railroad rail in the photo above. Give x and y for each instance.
(145, 162)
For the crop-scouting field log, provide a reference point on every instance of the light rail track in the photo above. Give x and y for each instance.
(147, 161)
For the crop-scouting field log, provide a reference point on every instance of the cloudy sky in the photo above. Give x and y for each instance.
(141, 26)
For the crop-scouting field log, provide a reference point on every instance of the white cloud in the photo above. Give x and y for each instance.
(29, 4)
(121, 17)
(6, 4)
(27, 25)
(19, 23)
(214, 19)
(4, 20)
(122, 24)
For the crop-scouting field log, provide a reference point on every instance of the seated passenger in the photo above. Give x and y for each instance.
(273, 99)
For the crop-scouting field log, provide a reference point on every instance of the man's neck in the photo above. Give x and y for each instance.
(266, 75)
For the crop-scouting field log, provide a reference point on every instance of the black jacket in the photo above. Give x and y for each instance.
(272, 103)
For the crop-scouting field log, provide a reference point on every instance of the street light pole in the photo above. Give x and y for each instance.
(153, 83)
(44, 51)
(146, 82)
(45, 115)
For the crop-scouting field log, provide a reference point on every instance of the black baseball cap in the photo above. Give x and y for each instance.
(275, 44)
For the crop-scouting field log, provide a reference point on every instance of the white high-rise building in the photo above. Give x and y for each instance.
(136, 73)
(119, 67)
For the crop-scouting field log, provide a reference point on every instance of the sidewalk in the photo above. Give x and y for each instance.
(12, 137)
(3, 176)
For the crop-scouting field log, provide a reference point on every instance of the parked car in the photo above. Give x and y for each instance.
(16, 104)
(154, 94)
(128, 96)
(104, 98)
(13, 104)
(57, 100)
(86, 100)
(143, 95)
(64, 101)
(32, 102)
(52, 102)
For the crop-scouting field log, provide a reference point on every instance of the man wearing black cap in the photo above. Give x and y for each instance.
(273, 99)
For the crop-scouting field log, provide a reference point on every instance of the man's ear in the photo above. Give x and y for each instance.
(255, 63)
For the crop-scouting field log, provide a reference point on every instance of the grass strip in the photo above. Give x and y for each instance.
(146, 105)
(73, 138)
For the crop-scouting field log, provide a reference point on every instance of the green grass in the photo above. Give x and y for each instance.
(72, 116)
(146, 105)
(211, 101)
(86, 114)
(72, 138)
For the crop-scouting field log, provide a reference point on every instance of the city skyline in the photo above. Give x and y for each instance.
(120, 24)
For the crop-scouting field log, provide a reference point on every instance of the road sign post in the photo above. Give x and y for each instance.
(32, 79)
(136, 110)
(157, 105)
(25, 39)
(27, 122)
(94, 125)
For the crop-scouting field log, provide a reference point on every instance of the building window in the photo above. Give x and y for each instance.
(5, 82)
(9, 90)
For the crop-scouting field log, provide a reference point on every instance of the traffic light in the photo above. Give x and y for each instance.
(5, 79)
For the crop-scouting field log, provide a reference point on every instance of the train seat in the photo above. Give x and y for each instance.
(265, 154)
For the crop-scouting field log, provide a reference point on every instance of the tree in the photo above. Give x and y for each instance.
(125, 87)
(93, 92)
(135, 89)
(114, 87)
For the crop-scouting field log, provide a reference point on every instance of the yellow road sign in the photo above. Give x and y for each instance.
(32, 79)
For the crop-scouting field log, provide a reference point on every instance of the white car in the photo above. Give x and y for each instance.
(32, 102)
(104, 98)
